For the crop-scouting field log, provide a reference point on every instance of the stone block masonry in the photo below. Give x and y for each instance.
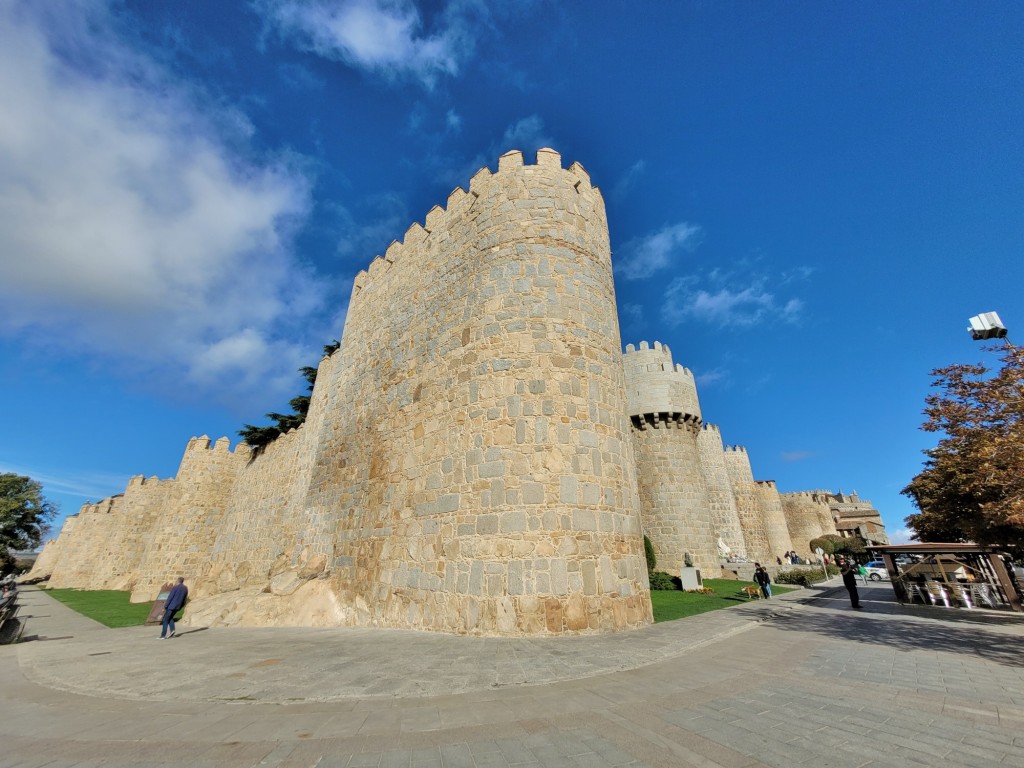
(479, 457)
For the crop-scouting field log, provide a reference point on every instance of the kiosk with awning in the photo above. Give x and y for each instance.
(951, 564)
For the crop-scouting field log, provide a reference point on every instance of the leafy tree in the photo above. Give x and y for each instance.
(972, 485)
(259, 437)
(851, 545)
(825, 543)
(24, 516)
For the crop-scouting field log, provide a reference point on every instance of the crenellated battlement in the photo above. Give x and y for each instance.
(657, 385)
(440, 220)
(735, 449)
(221, 445)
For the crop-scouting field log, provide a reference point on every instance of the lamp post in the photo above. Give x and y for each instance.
(987, 326)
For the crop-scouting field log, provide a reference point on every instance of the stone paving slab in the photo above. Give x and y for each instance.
(789, 682)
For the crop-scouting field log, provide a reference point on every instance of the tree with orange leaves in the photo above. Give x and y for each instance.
(972, 486)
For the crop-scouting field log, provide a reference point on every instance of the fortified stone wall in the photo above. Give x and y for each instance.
(662, 402)
(265, 517)
(748, 504)
(779, 541)
(802, 516)
(181, 541)
(724, 517)
(478, 456)
(129, 520)
(81, 546)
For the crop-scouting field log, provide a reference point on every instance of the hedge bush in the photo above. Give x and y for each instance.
(804, 577)
(662, 580)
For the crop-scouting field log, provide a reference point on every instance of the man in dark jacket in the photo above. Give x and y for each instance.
(175, 602)
(763, 580)
(850, 581)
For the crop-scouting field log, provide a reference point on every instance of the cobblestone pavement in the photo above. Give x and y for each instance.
(798, 680)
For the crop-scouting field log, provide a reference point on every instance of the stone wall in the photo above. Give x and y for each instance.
(725, 519)
(748, 504)
(478, 457)
(774, 517)
(802, 511)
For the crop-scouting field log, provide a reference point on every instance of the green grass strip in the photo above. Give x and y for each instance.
(670, 605)
(107, 606)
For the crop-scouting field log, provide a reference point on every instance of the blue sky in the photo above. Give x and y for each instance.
(806, 203)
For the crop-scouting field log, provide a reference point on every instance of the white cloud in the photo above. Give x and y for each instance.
(130, 223)
(643, 256)
(713, 376)
(527, 135)
(902, 536)
(382, 36)
(725, 305)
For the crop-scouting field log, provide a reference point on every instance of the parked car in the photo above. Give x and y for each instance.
(877, 571)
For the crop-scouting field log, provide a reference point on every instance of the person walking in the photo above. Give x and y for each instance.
(763, 580)
(850, 582)
(175, 602)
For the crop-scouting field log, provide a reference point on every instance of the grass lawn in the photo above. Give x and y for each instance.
(106, 606)
(676, 604)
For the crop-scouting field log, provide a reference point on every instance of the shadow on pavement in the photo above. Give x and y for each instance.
(958, 632)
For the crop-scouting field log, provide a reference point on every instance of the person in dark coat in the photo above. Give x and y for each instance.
(175, 602)
(763, 580)
(850, 582)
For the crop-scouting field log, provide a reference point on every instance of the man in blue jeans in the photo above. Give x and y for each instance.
(175, 601)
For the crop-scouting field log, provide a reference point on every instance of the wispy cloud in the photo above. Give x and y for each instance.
(527, 134)
(793, 456)
(643, 256)
(633, 313)
(135, 221)
(628, 180)
(91, 486)
(386, 37)
(713, 376)
(710, 300)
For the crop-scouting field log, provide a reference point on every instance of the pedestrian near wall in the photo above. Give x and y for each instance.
(764, 581)
(175, 602)
(850, 582)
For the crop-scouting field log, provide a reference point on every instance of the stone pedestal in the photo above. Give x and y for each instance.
(691, 578)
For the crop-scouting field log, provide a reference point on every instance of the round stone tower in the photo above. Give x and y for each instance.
(725, 519)
(662, 403)
(473, 470)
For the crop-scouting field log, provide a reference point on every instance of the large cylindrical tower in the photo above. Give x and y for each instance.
(662, 403)
(474, 471)
(724, 517)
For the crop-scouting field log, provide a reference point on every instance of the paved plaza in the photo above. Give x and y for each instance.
(797, 680)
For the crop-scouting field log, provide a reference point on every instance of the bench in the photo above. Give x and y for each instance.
(10, 627)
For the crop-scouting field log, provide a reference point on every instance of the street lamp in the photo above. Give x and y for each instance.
(988, 326)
